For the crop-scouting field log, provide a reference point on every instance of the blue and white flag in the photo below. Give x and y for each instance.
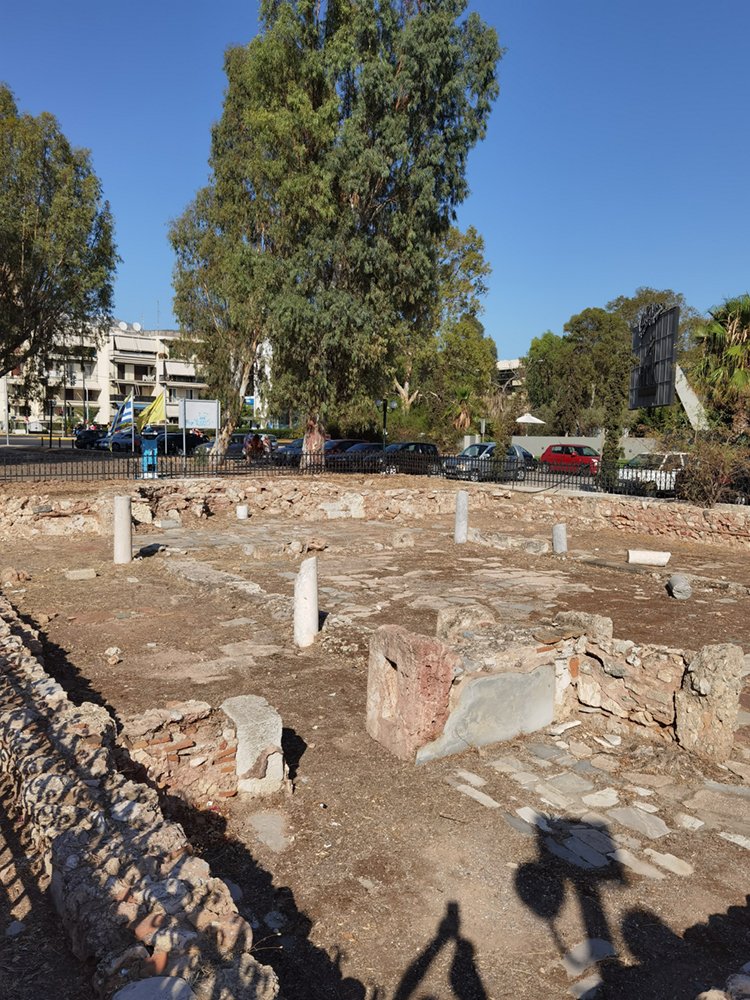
(124, 415)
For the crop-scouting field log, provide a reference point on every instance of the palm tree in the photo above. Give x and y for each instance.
(724, 362)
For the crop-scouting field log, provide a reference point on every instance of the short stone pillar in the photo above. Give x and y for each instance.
(559, 539)
(409, 683)
(242, 512)
(260, 759)
(306, 623)
(123, 531)
(461, 530)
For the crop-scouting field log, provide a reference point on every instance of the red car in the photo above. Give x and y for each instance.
(576, 459)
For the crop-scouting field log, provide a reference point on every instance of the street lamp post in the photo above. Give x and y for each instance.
(387, 405)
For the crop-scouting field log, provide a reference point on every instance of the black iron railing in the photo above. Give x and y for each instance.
(30, 465)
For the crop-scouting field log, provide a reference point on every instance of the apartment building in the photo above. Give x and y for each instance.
(88, 380)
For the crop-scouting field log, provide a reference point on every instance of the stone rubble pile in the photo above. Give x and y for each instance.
(185, 748)
(480, 683)
(131, 897)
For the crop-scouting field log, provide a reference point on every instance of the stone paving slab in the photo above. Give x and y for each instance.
(649, 826)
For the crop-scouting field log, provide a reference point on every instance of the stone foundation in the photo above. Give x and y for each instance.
(511, 680)
(131, 897)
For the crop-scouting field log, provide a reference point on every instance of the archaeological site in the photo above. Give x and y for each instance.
(391, 741)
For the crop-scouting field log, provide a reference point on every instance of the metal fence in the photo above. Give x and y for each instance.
(91, 466)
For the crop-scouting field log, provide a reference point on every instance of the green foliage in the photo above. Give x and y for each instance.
(461, 283)
(345, 132)
(57, 252)
(710, 476)
(722, 365)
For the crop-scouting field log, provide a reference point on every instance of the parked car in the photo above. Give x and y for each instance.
(234, 448)
(515, 464)
(416, 458)
(289, 454)
(469, 461)
(119, 441)
(574, 459)
(654, 472)
(87, 438)
(175, 442)
(364, 456)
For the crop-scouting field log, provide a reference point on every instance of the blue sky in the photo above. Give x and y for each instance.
(617, 153)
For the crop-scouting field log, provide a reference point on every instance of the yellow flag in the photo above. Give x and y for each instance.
(155, 412)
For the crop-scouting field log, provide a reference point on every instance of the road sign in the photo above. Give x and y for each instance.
(203, 413)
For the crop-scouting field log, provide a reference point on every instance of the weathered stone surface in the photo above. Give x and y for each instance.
(408, 689)
(129, 896)
(643, 823)
(260, 760)
(156, 988)
(494, 708)
(678, 586)
(596, 627)
(707, 704)
(675, 865)
(586, 954)
(453, 622)
(80, 574)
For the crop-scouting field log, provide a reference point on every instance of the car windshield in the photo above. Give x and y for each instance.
(645, 461)
(364, 446)
(475, 450)
(585, 450)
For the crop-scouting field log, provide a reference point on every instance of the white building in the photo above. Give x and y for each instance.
(88, 380)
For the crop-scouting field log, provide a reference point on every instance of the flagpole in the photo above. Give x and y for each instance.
(165, 421)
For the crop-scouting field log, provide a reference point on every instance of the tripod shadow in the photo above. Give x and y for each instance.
(661, 964)
(464, 978)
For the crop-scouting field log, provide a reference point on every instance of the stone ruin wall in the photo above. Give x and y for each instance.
(133, 899)
(480, 683)
(314, 499)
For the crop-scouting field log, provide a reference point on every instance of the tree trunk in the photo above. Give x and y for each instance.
(313, 446)
(233, 412)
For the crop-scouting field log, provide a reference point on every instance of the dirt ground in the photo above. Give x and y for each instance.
(375, 878)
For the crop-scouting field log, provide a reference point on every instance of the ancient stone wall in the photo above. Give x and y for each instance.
(724, 525)
(314, 499)
(508, 680)
(132, 898)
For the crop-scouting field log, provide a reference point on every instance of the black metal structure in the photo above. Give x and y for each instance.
(655, 346)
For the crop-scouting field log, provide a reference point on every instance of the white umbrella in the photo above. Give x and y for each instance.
(526, 418)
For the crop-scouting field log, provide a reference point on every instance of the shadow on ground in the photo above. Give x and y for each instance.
(661, 964)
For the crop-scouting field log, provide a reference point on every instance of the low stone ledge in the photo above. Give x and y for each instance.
(130, 895)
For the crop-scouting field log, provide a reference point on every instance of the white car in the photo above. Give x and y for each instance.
(654, 471)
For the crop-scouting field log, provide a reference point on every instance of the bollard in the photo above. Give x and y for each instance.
(123, 528)
(461, 530)
(559, 539)
(306, 603)
(242, 512)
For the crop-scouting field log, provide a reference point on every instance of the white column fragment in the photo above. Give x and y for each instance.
(306, 603)
(559, 538)
(648, 557)
(461, 531)
(123, 531)
(242, 512)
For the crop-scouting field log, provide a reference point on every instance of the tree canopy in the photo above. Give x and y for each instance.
(722, 366)
(57, 252)
(336, 168)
